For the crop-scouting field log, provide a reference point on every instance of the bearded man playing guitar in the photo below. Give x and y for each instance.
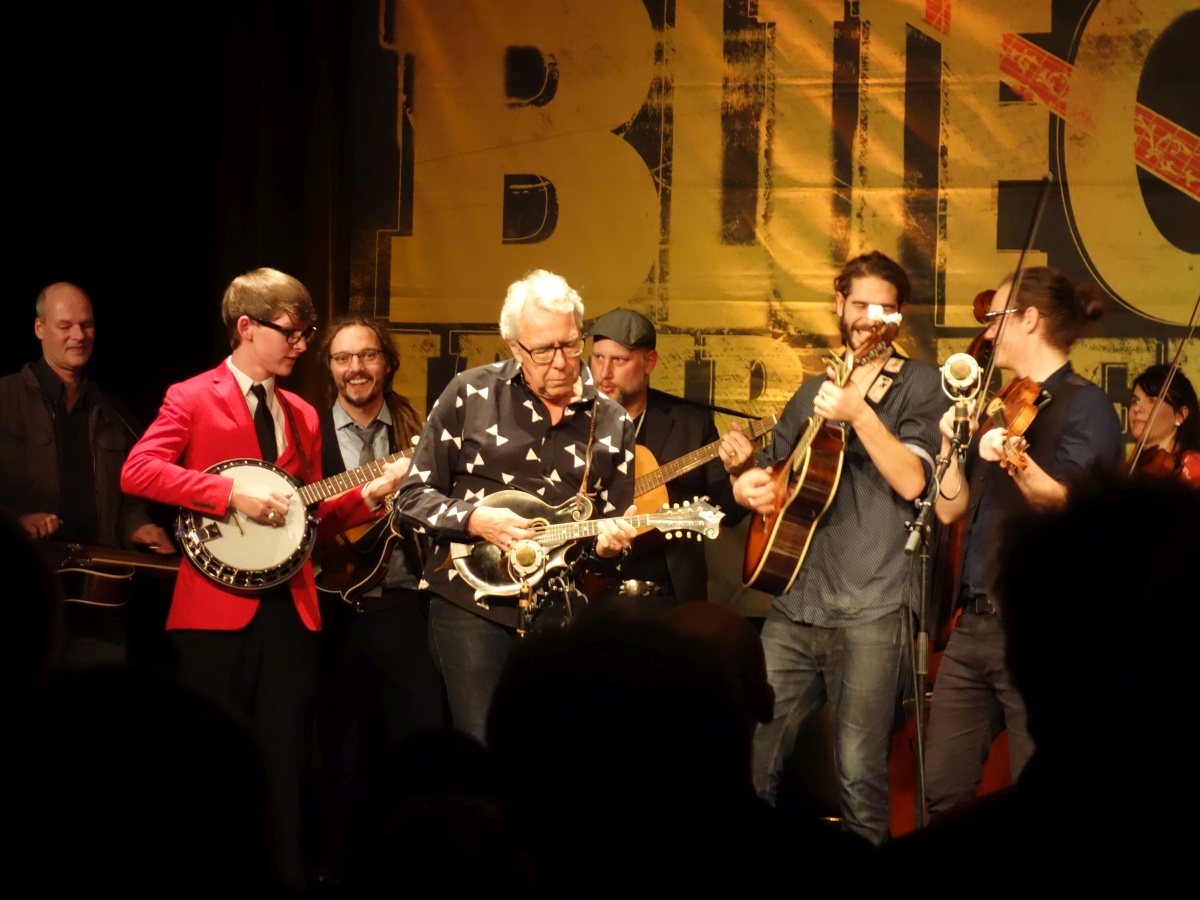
(839, 633)
(254, 652)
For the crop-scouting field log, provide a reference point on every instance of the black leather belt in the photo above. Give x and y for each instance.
(632, 587)
(979, 604)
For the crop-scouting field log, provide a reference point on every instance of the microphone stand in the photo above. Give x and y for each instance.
(918, 534)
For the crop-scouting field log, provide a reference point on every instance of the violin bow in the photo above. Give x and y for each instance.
(1035, 222)
(1162, 394)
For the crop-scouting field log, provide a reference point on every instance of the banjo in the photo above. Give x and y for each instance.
(237, 552)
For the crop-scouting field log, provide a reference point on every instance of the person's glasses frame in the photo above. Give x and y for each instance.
(366, 357)
(544, 355)
(291, 335)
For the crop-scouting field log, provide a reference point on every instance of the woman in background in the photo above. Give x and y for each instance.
(1173, 444)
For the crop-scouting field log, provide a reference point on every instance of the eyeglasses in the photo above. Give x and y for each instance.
(543, 355)
(291, 335)
(987, 317)
(364, 356)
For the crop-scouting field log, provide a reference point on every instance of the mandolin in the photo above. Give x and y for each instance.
(497, 573)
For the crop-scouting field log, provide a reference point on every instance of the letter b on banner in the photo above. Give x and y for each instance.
(511, 173)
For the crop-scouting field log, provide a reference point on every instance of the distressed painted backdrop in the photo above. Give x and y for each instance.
(712, 164)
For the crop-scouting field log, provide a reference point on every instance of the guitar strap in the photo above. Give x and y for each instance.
(587, 456)
(883, 380)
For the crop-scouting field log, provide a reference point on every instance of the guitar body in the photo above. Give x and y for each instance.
(237, 552)
(101, 576)
(494, 573)
(654, 498)
(357, 559)
(777, 544)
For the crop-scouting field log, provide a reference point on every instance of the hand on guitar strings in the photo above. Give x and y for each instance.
(498, 526)
(839, 404)
(615, 535)
(260, 505)
(755, 489)
(387, 483)
(736, 451)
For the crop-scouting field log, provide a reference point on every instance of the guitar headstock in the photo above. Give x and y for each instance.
(877, 342)
(696, 515)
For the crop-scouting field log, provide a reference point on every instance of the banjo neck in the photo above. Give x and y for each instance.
(314, 493)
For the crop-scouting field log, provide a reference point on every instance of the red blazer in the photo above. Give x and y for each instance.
(204, 421)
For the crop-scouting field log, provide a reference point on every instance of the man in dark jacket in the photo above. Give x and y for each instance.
(62, 444)
(659, 573)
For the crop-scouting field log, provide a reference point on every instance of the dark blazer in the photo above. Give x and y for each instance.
(29, 474)
(671, 429)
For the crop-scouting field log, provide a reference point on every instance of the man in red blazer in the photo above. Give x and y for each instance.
(254, 652)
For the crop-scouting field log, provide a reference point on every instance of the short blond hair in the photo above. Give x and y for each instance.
(264, 294)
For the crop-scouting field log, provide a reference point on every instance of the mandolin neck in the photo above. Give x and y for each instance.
(562, 532)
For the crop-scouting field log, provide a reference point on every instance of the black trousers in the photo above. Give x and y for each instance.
(266, 673)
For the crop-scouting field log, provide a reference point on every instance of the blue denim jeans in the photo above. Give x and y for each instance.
(974, 699)
(856, 669)
(471, 652)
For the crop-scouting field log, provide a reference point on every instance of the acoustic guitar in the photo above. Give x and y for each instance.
(650, 476)
(805, 484)
(101, 576)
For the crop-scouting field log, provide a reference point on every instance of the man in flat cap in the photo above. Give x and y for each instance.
(660, 574)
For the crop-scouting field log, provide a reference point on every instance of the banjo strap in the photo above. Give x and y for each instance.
(287, 411)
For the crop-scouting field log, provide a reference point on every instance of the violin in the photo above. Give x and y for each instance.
(1156, 461)
(1014, 408)
(1135, 463)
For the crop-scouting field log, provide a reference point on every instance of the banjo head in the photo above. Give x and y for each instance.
(238, 552)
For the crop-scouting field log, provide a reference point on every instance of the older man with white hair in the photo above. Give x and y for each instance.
(535, 424)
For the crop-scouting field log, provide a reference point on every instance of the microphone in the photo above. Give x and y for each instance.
(960, 376)
(960, 382)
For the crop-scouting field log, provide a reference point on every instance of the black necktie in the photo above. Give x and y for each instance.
(264, 425)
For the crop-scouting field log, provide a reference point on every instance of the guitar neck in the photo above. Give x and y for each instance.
(683, 464)
(85, 556)
(339, 484)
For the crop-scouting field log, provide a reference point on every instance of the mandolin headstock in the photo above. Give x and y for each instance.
(697, 515)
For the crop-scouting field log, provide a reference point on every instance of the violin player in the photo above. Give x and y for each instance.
(1005, 475)
(1172, 446)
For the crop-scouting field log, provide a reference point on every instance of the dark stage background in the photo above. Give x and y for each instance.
(157, 150)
